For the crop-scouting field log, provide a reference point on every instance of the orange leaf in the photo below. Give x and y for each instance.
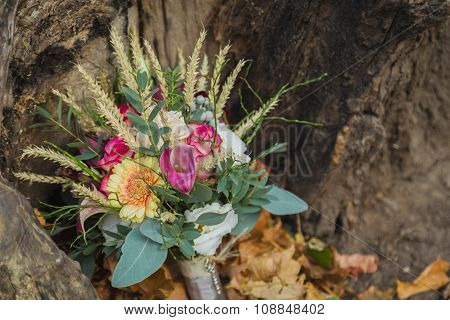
(432, 278)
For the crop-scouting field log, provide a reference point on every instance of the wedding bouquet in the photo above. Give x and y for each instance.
(156, 166)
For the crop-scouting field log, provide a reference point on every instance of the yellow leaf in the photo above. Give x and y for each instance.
(372, 293)
(432, 278)
(40, 218)
(312, 293)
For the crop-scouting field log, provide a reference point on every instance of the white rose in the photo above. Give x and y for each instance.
(211, 236)
(231, 143)
(175, 121)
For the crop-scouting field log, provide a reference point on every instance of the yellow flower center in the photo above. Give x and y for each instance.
(136, 190)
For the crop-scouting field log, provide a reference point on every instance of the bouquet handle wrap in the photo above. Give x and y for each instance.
(202, 280)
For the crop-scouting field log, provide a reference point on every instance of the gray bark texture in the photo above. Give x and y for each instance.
(31, 265)
(377, 173)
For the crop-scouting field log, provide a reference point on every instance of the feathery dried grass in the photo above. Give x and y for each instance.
(51, 155)
(33, 177)
(226, 89)
(136, 50)
(181, 63)
(191, 71)
(156, 66)
(107, 109)
(218, 65)
(92, 194)
(125, 67)
(204, 71)
(258, 116)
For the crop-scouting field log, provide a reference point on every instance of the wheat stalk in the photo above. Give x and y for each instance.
(191, 71)
(125, 67)
(156, 66)
(51, 155)
(226, 89)
(258, 116)
(218, 64)
(92, 194)
(33, 177)
(107, 109)
(204, 71)
(181, 63)
(136, 50)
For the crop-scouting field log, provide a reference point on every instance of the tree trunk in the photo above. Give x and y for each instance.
(31, 265)
(377, 170)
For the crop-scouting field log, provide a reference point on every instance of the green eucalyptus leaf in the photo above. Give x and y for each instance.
(283, 202)
(200, 193)
(186, 248)
(247, 218)
(155, 132)
(155, 111)
(142, 80)
(191, 234)
(141, 257)
(151, 228)
(87, 155)
(210, 219)
(133, 98)
(138, 122)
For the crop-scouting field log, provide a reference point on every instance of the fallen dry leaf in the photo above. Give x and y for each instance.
(372, 293)
(432, 278)
(40, 218)
(356, 263)
(272, 275)
(312, 293)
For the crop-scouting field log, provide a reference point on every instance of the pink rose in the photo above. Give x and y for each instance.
(202, 139)
(115, 151)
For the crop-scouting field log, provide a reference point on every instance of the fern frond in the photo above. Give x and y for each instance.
(191, 71)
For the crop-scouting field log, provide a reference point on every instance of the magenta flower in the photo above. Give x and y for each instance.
(104, 183)
(202, 138)
(124, 109)
(115, 151)
(178, 166)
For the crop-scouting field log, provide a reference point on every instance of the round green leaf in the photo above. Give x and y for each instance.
(282, 202)
(141, 257)
(152, 230)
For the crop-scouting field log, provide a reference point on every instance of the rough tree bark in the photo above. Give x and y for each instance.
(31, 265)
(378, 165)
